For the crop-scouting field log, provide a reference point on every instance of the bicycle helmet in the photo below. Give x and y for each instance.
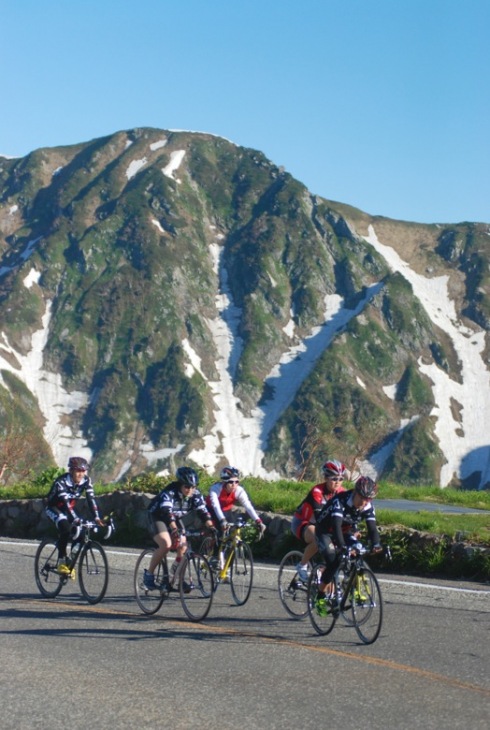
(187, 476)
(228, 473)
(333, 468)
(366, 487)
(78, 462)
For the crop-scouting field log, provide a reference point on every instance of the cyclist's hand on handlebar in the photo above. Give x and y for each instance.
(174, 534)
(261, 527)
(377, 548)
(100, 522)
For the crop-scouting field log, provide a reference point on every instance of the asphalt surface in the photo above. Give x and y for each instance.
(68, 664)
(413, 506)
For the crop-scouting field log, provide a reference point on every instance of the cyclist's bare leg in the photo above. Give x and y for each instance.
(311, 547)
(164, 543)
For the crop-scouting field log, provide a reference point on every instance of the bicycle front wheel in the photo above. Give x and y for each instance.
(241, 573)
(149, 600)
(93, 574)
(48, 580)
(367, 606)
(196, 586)
(293, 592)
(321, 616)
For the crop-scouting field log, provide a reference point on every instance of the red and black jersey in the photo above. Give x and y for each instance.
(313, 503)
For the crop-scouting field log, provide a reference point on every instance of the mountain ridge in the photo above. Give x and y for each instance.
(154, 285)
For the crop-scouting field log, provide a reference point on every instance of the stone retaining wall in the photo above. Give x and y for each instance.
(25, 518)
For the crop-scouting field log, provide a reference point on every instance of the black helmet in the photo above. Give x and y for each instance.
(366, 487)
(186, 475)
(333, 468)
(78, 462)
(228, 473)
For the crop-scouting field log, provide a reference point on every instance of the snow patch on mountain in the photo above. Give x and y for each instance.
(239, 439)
(174, 164)
(462, 438)
(55, 403)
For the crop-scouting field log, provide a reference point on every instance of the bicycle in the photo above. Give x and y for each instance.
(293, 592)
(233, 562)
(356, 597)
(192, 580)
(93, 569)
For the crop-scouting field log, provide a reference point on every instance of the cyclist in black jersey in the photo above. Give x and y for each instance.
(168, 512)
(337, 526)
(61, 500)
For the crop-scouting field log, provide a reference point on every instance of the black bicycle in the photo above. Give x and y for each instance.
(191, 582)
(293, 591)
(355, 596)
(87, 556)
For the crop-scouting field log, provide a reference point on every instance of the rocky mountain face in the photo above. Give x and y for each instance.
(170, 297)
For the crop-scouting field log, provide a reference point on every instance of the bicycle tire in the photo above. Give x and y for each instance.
(341, 582)
(293, 592)
(93, 572)
(241, 573)
(150, 601)
(196, 586)
(207, 550)
(323, 625)
(48, 580)
(367, 606)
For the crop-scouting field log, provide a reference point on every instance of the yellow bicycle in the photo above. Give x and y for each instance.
(231, 561)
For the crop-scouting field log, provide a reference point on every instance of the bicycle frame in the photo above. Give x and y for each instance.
(233, 563)
(87, 553)
(356, 598)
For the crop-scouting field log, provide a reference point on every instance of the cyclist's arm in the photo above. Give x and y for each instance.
(243, 499)
(337, 534)
(199, 504)
(373, 534)
(92, 502)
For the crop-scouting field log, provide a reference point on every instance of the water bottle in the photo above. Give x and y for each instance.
(175, 565)
(75, 549)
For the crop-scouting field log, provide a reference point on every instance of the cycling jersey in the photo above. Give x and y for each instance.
(171, 505)
(311, 506)
(340, 518)
(220, 501)
(64, 494)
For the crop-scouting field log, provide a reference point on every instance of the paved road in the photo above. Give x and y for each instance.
(68, 664)
(414, 506)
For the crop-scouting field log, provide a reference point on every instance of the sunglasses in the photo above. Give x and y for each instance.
(232, 481)
(336, 479)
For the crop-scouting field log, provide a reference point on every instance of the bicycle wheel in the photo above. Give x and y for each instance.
(323, 620)
(293, 592)
(93, 572)
(48, 580)
(149, 601)
(342, 583)
(207, 550)
(241, 573)
(196, 586)
(367, 606)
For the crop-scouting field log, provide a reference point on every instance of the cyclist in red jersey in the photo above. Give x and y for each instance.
(304, 517)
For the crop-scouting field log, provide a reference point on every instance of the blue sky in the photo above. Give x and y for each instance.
(381, 104)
